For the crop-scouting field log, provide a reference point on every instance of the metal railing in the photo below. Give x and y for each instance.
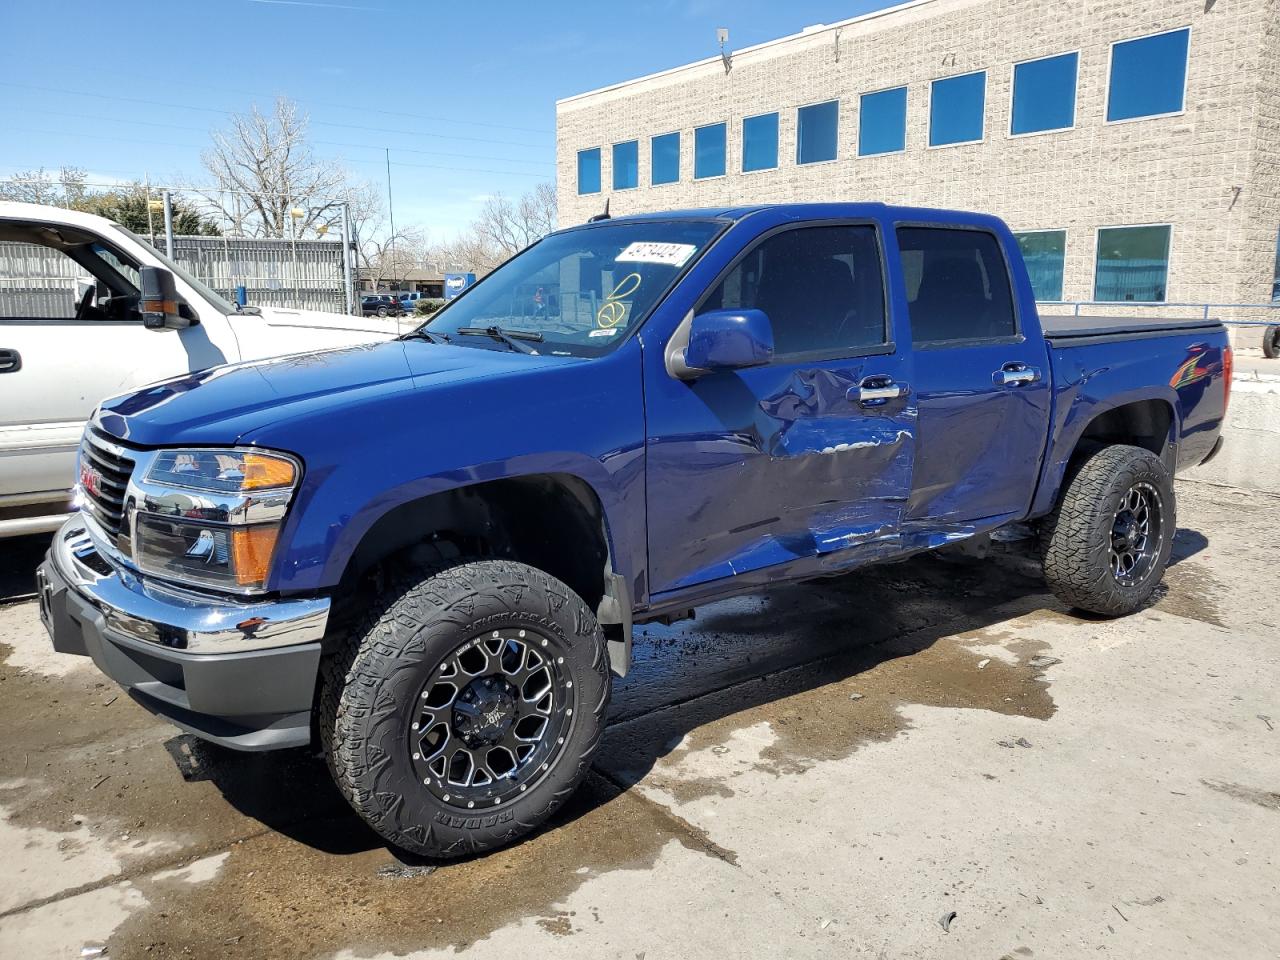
(1204, 311)
(40, 281)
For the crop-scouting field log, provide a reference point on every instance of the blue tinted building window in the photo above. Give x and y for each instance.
(1148, 76)
(1044, 94)
(817, 132)
(708, 151)
(1045, 254)
(626, 165)
(664, 159)
(956, 108)
(1275, 287)
(882, 122)
(1132, 264)
(760, 142)
(589, 171)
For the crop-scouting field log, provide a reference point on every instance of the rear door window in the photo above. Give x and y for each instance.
(957, 286)
(821, 287)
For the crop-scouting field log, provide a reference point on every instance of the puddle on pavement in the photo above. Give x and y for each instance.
(307, 878)
(1190, 590)
(84, 763)
(826, 711)
(1266, 799)
(279, 898)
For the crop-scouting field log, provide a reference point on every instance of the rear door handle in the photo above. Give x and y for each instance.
(10, 361)
(876, 390)
(1015, 375)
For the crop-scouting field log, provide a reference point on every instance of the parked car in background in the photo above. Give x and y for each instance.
(120, 315)
(381, 305)
(431, 552)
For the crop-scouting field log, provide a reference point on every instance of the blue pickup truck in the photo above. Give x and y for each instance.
(429, 554)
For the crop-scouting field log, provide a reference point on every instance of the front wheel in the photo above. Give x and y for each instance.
(382, 311)
(468, 707)
(1107, 543)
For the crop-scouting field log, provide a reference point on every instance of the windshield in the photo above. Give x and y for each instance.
(219, 302)
(580, 292)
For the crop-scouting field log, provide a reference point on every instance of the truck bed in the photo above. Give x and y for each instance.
(1071, 329)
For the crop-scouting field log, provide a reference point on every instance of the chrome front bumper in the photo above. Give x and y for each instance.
(152, 612)
(242, 674)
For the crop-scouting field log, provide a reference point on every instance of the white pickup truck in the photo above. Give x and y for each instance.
(121, 316)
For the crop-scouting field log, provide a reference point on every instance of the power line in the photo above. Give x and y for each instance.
(326, 143)
(188, 146)
(362, 109)
(229, 113)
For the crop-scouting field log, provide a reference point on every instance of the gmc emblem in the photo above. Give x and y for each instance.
(90, 479)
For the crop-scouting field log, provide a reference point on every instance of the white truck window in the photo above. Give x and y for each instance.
(39, 283)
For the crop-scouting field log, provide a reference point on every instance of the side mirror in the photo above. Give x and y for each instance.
(160, 304)
(729, 340)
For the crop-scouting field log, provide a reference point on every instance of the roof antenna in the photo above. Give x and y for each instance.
(722, 35)
(601, 216)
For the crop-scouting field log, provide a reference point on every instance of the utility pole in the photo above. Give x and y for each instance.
(348, 295)
(151, 223)
(391, 213)
(168, 224)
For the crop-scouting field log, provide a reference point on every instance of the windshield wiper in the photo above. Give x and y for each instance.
(512, 338)
(422, 333)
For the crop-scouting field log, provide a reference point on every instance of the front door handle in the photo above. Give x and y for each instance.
(873, 391)
(1015, 375)
(10, 361)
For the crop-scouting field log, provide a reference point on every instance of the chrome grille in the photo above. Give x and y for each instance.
(104, 478)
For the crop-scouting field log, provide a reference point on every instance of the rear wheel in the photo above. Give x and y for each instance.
(1106, 545)
(382, 311)
(1271, 341)
(468, 707)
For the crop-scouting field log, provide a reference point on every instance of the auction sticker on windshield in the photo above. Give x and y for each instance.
(670, 254)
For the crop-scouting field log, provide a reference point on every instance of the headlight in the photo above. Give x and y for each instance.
(223, 471)
(212, 517)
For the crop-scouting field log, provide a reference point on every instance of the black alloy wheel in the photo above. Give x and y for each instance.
(490, 718)
(1136, 534)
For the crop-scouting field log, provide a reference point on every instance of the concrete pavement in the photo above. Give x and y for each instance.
(830, 769)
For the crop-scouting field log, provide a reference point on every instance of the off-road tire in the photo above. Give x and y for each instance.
(1271, 342)
(1075, 539)
(369, 691)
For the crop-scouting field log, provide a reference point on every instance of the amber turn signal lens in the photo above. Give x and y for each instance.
(263, 472)
(251, 549)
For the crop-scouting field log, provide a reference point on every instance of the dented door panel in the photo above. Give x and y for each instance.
(754, 468)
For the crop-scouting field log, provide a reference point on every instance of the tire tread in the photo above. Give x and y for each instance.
(364, 680)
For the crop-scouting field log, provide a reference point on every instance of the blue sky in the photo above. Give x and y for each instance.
(463, 93)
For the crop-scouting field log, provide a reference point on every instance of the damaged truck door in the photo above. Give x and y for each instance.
(806, 455)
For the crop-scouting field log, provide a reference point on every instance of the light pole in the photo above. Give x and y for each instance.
(296, 214)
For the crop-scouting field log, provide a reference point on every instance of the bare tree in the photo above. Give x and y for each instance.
(393, 256)
(263, 169)
(509, 227)
(65, 188)
(502, 230)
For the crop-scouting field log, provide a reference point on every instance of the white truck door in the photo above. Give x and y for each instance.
(70, 336)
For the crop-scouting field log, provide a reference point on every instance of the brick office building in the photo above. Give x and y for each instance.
(1133, 144)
